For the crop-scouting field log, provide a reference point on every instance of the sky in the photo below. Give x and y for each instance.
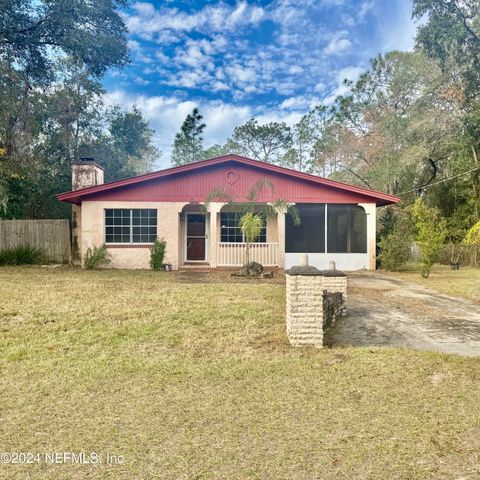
(234, 60)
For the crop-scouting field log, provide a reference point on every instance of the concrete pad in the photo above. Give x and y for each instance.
(387, 311)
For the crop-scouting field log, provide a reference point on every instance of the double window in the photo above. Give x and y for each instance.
(135, 225)
(231, 232)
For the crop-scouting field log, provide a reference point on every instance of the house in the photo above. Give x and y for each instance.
(338, 221)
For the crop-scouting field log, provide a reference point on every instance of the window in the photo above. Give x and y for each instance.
(130, 225)
(309, 236)
(347, 229)
(230, 231)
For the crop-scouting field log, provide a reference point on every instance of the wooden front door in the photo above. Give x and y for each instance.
(196, 237)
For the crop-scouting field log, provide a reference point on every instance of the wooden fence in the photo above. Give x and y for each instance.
(52, 236)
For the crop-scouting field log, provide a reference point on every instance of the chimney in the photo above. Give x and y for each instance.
(86, 173)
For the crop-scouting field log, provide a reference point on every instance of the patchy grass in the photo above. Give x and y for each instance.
(197, 381)
(460, 283)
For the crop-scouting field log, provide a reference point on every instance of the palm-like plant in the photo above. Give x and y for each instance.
(252, 213)
(251, 225)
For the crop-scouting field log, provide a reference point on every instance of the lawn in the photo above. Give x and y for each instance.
(197, 381)
(460, 283)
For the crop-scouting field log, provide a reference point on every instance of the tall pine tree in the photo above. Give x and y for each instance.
(188, 144)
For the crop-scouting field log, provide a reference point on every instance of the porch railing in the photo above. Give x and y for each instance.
(233, 254)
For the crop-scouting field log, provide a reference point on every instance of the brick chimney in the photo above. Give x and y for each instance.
(86, 173)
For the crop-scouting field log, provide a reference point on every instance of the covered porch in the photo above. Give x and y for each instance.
(344, 233)
(213, 238)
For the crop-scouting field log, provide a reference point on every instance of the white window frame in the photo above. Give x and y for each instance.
(131, 242)
(241, 231)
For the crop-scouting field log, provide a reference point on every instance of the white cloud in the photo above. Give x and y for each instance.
(167, 113)
(397, 30)
(337, 46)
(294, 103)
(351, 73)
(294, 69)
(149, 23)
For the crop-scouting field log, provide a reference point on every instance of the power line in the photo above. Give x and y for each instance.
(440, 181)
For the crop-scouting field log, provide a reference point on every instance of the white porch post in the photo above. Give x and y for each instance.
(371, 211)
(214, 210)
(281, 237)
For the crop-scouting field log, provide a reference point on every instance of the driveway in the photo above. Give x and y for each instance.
(387, 311)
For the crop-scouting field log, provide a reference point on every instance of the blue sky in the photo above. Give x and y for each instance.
(236, 59)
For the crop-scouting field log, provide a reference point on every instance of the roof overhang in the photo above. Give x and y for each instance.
(77, 196)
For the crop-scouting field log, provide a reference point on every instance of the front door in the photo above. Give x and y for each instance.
(196, 237)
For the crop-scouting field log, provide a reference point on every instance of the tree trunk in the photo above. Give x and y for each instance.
(476, 183)
(247, 253)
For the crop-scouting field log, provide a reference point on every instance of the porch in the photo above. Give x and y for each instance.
(213, 238)
(342, 233)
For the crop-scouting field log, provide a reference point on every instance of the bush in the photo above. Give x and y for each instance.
(22, 255)
(395, 251)
(157, 254)
(473, 235)
(431, 234)
(95, 257)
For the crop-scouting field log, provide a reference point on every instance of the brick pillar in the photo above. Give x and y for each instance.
(335, 281)
(304, 305)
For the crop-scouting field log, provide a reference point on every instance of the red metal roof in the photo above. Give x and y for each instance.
(193, 182)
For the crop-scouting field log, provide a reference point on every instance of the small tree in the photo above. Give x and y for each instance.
(251, 225)
(431, 231)
(395, 250)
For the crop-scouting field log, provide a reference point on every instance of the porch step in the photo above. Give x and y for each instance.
(195, 267)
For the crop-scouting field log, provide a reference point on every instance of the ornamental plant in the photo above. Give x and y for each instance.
(157, 254)
(95, 257)
(251, 226)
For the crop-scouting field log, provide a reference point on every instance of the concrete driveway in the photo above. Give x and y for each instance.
(383, 310)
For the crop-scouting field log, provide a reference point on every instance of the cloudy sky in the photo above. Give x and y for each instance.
(236, 59)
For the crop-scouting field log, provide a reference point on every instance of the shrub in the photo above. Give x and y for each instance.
(395, 250)
(431, 232)
(22, 255)
(95, 257)
(473, 235)
(157, 254)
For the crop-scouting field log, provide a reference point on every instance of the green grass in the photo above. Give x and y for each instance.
(197, 381)
(460, 283)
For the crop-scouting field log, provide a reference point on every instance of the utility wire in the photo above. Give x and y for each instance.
(440, 181)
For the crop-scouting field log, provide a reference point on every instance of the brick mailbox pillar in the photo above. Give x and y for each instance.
(304, 305)
(313, 302)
